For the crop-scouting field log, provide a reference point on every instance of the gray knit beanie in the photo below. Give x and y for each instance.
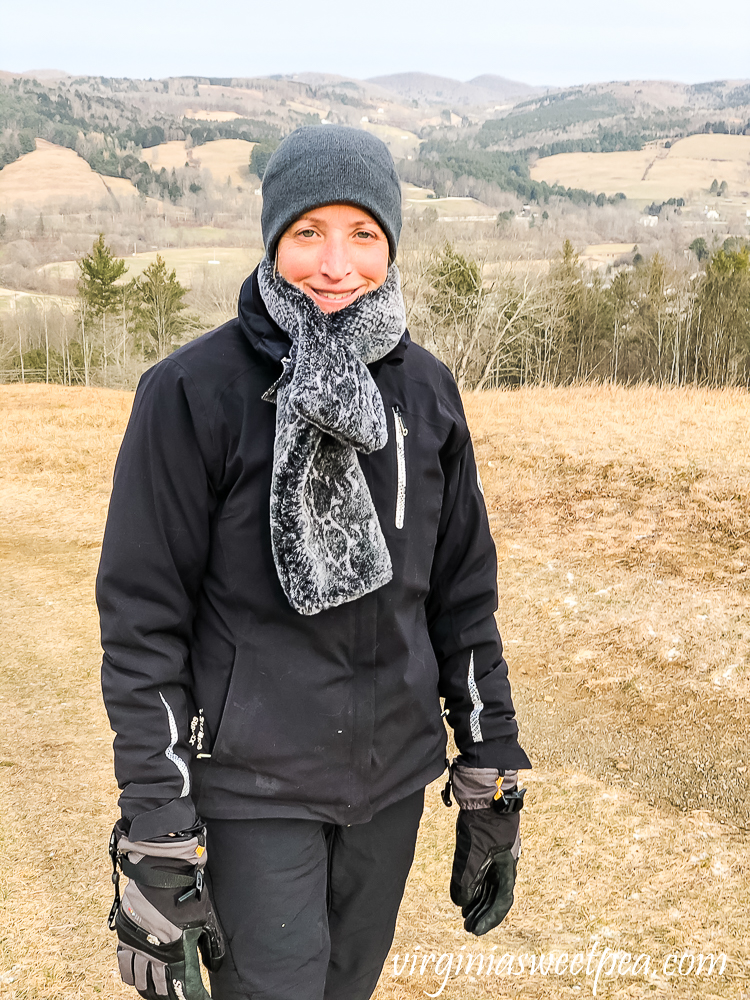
(326, 164)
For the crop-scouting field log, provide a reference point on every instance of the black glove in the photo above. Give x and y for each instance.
(488, 844)
(165, 916)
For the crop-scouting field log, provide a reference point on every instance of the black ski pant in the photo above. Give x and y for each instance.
(309, 908)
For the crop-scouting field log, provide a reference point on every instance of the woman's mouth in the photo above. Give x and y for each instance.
(337, 298)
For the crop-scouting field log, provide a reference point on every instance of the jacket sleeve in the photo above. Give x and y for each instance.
(461, 609)
(153, 558)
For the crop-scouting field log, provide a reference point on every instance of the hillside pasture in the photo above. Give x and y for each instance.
(188, 263)
(453, 207)
(621, 523)
(201, 115)
(401, 142)
(10, 299)
(224, 158)
(302, 108)
(52, 176)
(685, 170)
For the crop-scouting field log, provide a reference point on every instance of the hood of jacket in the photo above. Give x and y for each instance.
(273, 343)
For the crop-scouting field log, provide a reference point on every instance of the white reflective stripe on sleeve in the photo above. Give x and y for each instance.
(169, 753)
(401, 432)
(476, 729)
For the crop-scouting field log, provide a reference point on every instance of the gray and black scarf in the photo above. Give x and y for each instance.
(326, 538)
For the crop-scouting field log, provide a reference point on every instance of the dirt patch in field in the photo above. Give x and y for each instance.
(622, 730)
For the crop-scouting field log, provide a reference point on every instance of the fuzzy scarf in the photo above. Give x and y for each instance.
(326, 538)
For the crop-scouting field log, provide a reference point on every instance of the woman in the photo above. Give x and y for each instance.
(297, 567)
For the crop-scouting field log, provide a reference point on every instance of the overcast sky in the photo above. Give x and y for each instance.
(544, 42)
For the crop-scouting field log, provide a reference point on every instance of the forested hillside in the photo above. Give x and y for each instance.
(594, 232)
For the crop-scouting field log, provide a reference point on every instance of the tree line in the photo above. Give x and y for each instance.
(490, 322)
(117, 327)
(107, 137)
(653, 322)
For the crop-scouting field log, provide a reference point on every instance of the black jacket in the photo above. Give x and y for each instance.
(222, 697)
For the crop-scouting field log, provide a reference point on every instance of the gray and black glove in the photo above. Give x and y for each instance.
(165, 917)
(488, 844)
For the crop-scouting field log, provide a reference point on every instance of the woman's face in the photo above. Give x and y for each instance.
(334, 254)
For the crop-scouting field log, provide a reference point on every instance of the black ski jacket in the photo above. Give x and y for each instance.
(223, 698)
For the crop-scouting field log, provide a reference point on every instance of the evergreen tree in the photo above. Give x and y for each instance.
(723, 320)
(700, 248)
(99, 296)
(159, 308)
(260, 155)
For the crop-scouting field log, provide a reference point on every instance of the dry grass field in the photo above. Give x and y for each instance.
(10, 298)
(401, 142)
(686, 169)
(201, 115)
(189, 263)
(224, 158)
(52, 176)
(623, 533)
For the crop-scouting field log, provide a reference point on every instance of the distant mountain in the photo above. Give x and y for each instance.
(429, 89)
(501, 88)
(37, 74)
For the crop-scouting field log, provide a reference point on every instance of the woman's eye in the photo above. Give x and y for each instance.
(306, 232)
(365, 234)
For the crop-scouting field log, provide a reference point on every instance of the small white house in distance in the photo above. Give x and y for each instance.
(649, 221)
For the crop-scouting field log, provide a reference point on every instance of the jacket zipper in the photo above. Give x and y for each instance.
(401, 432)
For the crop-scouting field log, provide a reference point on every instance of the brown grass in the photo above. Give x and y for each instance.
(223, 157)
(189, 263)
(690, 165)
(211, 116)
(621, 521)
(53, 175)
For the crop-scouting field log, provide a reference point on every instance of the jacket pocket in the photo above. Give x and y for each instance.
(401, 431)
(288, 710)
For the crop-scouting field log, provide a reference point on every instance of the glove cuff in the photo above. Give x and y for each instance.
(482, 787)
(189, 846)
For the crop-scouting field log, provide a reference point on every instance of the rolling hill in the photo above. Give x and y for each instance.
(480, 137)
(440, 90)
(656, 172)
(54, 176)
(227, 159)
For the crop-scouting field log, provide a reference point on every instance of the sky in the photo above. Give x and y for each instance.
(544, 42)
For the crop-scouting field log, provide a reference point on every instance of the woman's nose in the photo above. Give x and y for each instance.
(336, 259)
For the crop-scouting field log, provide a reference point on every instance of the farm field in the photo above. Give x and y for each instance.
(52, 175)
(201, 115)
(447, 208)
(656, 173)
(9, 298)
(623, 535)
(400, 142)
(189, 262)
(224, 158)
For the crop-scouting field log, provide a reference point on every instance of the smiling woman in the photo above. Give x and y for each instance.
(334, 253)
(297, 568)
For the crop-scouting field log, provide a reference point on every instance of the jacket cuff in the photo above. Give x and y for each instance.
(177, 815)
(502, 753)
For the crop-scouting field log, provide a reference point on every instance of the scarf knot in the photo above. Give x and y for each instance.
(327, 542)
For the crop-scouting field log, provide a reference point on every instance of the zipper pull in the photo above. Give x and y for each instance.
(402, 426)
